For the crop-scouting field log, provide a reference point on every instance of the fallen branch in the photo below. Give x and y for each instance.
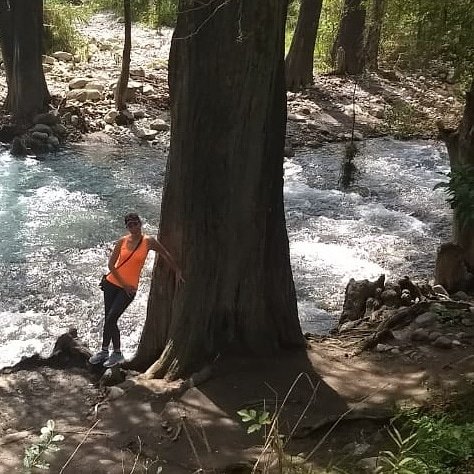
(352, 416)
(400, 318)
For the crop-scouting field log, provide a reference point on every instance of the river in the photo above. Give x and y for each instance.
(61, 214)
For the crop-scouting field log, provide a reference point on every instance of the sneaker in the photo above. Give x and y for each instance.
(99, 358)
(115, 359)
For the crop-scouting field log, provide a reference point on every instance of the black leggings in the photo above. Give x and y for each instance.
(116, 301)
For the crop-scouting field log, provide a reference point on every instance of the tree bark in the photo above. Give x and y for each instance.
(121, 90)
(373, 34)
(299, 60)
(350, 38)
(222, 213)
(21, 24)
(460, 145)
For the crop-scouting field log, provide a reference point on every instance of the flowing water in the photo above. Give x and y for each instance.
(60, 216)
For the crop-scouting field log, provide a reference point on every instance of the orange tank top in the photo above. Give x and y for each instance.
(131, 269)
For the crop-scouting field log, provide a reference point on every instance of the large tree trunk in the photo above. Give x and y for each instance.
(464, 234)
(348, 47)
(222, 213)
(21, 23)
(121, 90)
(373, 34)
(460, 144)
(299, 61)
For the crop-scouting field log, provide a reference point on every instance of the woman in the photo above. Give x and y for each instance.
(121, 283)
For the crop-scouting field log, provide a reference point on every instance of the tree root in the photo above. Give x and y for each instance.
(382, 415)
(401, 318)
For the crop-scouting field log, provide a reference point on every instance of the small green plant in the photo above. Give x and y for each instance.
(402, 460)
(257, 419)
(48, 442)
(460, 191)
(436, 443)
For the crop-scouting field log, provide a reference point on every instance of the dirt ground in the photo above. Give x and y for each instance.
(143, 425)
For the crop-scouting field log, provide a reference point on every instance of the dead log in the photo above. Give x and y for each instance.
(400, 318)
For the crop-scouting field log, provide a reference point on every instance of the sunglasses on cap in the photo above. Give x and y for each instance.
(132, 223)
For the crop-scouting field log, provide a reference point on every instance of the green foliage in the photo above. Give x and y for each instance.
(417, 32)
(327, 32)
(47, 443)
(460, 191)
(60, 19)
(151, 12)
(402, 460)
(257, 419)
(436, 443)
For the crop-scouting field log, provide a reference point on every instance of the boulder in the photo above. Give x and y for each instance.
(46, 118)
(48, 59)
(63, 56)
(159, 125)
(41, 127)
(426, 319)
(96, 85)
(443, 342)
(79, 82)
(146, 134)
(110, 117)
(40, 136)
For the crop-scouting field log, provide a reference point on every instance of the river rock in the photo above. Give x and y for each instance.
(426, 319)
(115, 392)
(47, 119)
(139, 114)
(110, 117)
(41, 127)
(390, 297)
(63, 56)
(467, 322)
(138, 72)
(78, 82)
(296, 118)
(420, 334)
(148, 89)
(40, 136)
(443, 342)
(54, 141)
(146, 134)
(95, 85)
(48, 59)
(59, 130)
(18, 147)
(460, 296)
(434, 335)
(159, 125)
(83, 95)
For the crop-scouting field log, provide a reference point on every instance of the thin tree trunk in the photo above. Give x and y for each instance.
(22, 21)
(299, 61)
(222, 211)
(350, 38)
(374, 32)
(121, 90)
(6, 42)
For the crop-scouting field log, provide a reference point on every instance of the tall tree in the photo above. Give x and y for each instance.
(299, 60)
(460, 144)
(21, 34)
(348, 47)
(373, 34)
(121, 90)
(222, 213)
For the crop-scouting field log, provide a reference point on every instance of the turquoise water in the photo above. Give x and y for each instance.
(61, 215)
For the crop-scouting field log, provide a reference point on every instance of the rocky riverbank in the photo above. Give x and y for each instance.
(375, 104)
